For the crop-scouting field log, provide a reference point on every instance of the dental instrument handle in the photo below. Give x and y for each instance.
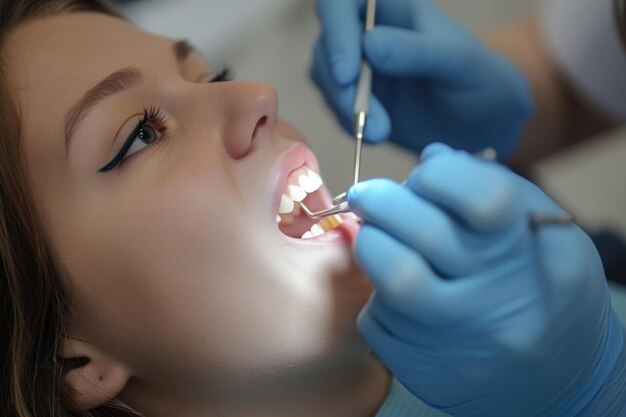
(361, 107)
(359, 129)
(364, 89)
(370, 16)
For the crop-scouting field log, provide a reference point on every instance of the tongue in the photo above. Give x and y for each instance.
(299, 225)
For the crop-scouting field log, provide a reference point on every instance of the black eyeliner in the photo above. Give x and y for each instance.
(127, 144)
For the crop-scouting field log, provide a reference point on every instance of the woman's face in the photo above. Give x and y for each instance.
(174, 257)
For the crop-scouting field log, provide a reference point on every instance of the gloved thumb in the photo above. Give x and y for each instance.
(403, 53)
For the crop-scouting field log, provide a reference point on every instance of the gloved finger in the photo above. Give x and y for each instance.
(569, 262)
(415, 14)
(401, 276)
(571, 277)
(398, 13)
(343, 27)
(341, 100)
(559, 266)
(332, 91)
(417, 223)
(433, 150)
(405, 53)
(413, 293)
(342, 32)
(482, 195)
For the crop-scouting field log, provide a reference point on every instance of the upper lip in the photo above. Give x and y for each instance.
(292, 159)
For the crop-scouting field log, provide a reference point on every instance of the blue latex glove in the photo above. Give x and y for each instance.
(433, 80)
(477, 314)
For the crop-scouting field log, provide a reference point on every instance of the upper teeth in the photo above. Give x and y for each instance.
(311, 182)
(286, 204)
(308, 182)
(296, 193)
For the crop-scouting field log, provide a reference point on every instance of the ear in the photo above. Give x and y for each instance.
(94, 376)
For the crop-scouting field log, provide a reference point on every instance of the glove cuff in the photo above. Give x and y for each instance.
(604, 392)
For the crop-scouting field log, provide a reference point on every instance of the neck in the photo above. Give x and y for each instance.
(359, 393)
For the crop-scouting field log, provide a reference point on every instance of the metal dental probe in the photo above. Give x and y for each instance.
(361, 109)
(363, 92)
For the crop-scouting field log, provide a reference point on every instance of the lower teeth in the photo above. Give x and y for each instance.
(325, 225)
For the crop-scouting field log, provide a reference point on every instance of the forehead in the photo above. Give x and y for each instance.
(54, 60)
(76, 47)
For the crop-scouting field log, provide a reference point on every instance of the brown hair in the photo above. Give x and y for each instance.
(34, 305)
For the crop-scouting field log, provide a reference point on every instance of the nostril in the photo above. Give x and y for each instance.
(262, 122)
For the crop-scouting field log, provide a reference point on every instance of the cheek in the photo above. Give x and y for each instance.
(176, 268)
(162, 253)
(189, 241)
(182, 277)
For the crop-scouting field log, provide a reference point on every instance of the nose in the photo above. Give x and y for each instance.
(251, 115)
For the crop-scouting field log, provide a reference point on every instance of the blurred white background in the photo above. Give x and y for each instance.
(271, 40)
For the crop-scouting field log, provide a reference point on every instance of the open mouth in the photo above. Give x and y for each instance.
(306, 186)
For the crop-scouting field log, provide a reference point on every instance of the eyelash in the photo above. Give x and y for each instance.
(226, 74)
(154, 118)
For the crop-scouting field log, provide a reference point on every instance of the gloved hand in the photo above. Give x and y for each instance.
(475, 312)
(433, 80)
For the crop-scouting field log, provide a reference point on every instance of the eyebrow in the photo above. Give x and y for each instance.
(112, 84)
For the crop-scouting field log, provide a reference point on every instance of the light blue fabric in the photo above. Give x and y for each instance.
(401, 403)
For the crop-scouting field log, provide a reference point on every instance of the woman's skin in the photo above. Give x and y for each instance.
(186, 299)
